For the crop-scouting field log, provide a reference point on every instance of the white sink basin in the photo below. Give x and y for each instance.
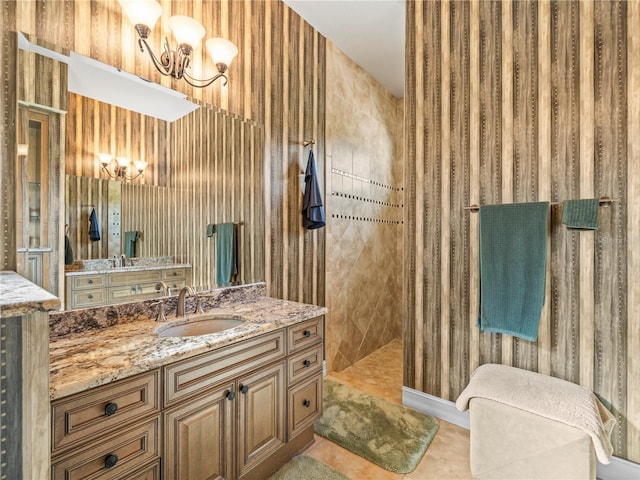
(203, 325)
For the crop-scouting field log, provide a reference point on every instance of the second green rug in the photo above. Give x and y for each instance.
(303, 467)
(390, 435)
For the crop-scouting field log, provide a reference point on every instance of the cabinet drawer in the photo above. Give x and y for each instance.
(305, 405)
(185, 378)
(127, 278)
(130, 293)
(174, 274)
(101, 410)
(305, 363)
(150, 472)
(126, 293)
(88, 281)
(88, 298)
(305, 334)
(126, 451)
(175, 286)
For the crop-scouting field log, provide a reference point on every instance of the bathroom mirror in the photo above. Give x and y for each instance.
(205, 166)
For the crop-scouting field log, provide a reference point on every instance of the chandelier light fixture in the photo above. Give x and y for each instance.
(121, 166)
(188, 33)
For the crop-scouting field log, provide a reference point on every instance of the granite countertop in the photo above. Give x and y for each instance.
(135, 268)
(18, 296)
(80, 361)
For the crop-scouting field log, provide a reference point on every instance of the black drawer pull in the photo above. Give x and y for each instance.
(110, 409)
(175, 274)
(89, 281)
(306, 403)
(306, 363)
(306, 333)
(231, 395)
(89, 296)
(244, 389)
(111, 460)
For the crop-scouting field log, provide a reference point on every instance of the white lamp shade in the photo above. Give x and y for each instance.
(140, 165)
(221, 50)
(186, 30)
(105, 158)
(142, 12)
(123, 162)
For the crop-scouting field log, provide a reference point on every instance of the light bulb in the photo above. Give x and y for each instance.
(123, 162)
(222, 51)
(105, 158)
(186, 30)
(142, 12)
(140, 165)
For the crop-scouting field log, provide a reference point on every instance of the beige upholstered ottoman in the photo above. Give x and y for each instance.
(509, 443)
(525, 425)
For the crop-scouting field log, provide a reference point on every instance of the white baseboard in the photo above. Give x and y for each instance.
(435, 406)
(618, 469)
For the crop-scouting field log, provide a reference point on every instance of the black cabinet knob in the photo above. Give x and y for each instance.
(244, 389)
(111, 460)
(231, 395)
(306, 333)
(306, 403)
(89, 296)
(90, 281)
(306, 363)
(110, 409)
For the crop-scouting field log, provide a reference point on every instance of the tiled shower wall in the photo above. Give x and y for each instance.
(364, 213)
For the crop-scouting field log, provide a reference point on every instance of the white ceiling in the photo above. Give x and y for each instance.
(370, 32)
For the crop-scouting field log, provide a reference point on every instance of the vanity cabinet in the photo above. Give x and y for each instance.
(243, 410)
(237, 412)
(94, 290)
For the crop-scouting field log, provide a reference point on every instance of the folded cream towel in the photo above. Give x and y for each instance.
(549, 397)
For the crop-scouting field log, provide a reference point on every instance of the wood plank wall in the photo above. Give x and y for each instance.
(277, 80)
(516, 102)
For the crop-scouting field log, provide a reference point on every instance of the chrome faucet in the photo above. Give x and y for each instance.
(166, 290)
(180, 310)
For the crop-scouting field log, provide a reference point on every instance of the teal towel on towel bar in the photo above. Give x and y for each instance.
(226, 264)
(513, 251)
(130, 239)
(580, 214)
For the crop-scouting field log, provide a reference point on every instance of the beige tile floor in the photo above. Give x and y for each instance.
(380, 373)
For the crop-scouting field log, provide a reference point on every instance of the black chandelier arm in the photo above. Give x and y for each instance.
(164, 70)
(194, 82)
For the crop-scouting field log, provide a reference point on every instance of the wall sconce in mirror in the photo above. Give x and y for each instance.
(188, 33)
(121, 166)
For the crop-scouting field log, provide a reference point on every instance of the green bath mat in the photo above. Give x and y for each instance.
(390, 435)
(303, 467)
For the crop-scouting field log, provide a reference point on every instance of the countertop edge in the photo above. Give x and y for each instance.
(64, 388)
(19, 296)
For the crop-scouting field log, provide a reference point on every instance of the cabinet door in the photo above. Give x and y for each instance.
(261, 404)
(198, 438)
